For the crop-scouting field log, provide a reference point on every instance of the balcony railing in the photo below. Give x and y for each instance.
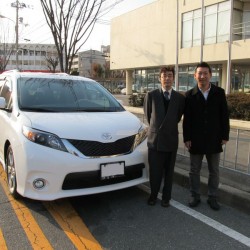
(241, 31)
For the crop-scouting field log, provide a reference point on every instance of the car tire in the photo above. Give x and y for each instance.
(11, 173)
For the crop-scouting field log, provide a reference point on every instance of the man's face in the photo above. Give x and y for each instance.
(167, 80)
(202, 76)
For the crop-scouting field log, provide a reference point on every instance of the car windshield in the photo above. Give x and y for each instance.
(64, 95)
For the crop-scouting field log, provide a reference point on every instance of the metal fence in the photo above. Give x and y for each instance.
(236, 153)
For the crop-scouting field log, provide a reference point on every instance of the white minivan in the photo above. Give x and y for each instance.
(64, 136)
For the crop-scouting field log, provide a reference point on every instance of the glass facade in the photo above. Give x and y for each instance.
(148, 79)
(216, 25)
(240, 78)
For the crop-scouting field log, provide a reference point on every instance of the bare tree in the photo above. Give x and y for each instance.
(71, 23)
(6, 49)
(52, 63)
(5, 52)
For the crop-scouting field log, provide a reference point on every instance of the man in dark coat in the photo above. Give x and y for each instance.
(163, 109)
(205, 130)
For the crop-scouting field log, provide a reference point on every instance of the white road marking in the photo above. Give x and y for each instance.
(208, 221)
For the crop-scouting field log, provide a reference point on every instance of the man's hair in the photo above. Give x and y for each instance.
(166, 69)
(203, 65)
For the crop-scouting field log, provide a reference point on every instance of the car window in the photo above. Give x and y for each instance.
(6, 91)
(64, 95)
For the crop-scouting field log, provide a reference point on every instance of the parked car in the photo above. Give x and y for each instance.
(123, 91)
(151, 86)
(135, 88)
(66, 136)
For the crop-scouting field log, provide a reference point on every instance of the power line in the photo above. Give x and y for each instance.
(42, 23)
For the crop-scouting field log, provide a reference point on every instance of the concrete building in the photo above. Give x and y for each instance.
(83, 60)
(31, 57)
(181, 33)
(86, 61)
(75, 64)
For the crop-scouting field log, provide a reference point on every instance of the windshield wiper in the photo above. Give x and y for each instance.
(39, 110)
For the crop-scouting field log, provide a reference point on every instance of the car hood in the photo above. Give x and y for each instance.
(86, 126)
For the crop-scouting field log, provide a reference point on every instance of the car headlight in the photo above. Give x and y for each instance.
(44, 138)
(141, 136)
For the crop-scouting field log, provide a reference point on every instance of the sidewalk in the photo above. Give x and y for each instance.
(234, 186)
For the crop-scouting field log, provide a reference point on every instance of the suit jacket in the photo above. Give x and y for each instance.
(206, 122)
(163, 127)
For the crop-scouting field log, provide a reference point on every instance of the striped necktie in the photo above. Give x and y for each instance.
(166, 95)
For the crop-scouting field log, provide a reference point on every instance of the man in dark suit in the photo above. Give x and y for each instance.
(163, 109)
(205, 130)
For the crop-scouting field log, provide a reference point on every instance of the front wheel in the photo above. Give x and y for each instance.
(11, 173)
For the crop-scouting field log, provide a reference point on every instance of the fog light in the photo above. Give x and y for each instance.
(39, 183)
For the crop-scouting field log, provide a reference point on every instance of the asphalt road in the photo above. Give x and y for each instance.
(119, 220)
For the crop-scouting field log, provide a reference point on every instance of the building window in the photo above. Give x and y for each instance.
(246, 25)
(145, 80)
(25, 52)
(186, 78)
(210, 24)
(216, 25)
(197, 28)
(241, 28)
(223, 26)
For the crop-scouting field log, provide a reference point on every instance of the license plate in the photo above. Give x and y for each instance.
(112, 170)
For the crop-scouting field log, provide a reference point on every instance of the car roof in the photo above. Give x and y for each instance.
(18, 74)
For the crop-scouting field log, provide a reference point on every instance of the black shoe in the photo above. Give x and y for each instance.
(194, 201)
(212, 202)
(151, 201)
(165, 203)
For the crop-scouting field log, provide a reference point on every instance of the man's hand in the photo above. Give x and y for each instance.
(188, 145)
(223, 142)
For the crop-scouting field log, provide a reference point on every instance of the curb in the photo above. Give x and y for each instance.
(230, 196)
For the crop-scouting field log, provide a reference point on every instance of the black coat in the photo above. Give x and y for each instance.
(206, 122)
(163, 127)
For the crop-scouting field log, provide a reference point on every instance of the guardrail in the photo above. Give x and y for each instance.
(236, 153)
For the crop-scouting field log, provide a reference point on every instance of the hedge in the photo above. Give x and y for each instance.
(239, 106)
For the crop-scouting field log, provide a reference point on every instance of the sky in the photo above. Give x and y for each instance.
(36, 29)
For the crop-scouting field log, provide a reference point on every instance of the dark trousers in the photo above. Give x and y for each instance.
(213, 161)
(161, 164)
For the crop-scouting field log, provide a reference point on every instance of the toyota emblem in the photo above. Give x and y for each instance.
(106, 136)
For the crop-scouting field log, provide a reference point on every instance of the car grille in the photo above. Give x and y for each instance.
(98, 149)
(93, 178)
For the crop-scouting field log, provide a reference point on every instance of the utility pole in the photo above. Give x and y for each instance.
(17, 33)
(17, 5)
